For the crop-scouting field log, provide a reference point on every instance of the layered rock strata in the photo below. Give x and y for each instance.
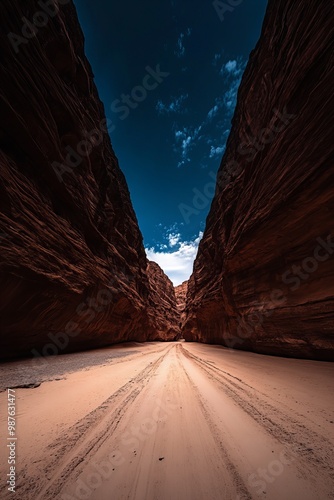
(73, 267)
(163, 311)
(181, 296)
(264, 276)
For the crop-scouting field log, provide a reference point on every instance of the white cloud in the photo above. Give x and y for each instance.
(180, 51)
(175, 106)
(216, 59)
(213, 111)
(197, 130)
(185, 144)
(160, 107)
(230, 66)
(219, 150)
(180, 48)
(233, 68)
(178, 265)
(185, 141)
(221, 111)
(230, 96)
(173, 239)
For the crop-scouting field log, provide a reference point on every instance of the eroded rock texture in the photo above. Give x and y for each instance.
(274, 202)
(73, 266)
(163, 312)
(181, 296)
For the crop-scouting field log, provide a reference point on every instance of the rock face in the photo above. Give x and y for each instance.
(73, 266)
(181, 296)
(264, 276)
(162, 310)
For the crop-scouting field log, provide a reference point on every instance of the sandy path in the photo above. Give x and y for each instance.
(178, 421)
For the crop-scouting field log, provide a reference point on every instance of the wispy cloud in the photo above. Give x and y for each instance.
(175, 106)
(180, 51)
(220, 113)
(232, 67)
(216, 59)
(174, 239)
(185, 148)
(213, 112)
(178, 263)
(185, 139)
(214, 151)
(180, 48)
(232, 70)
(230, 96)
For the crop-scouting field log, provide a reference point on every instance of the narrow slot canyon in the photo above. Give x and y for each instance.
(149, 360)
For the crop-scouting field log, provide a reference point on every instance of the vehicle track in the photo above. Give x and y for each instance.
(314, 450)
(218, 425)
(84, 439)
(231, 467)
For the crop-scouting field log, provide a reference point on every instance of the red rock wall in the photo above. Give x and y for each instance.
(162, 310)
(73, 266)
(181, 296)
(274, 202)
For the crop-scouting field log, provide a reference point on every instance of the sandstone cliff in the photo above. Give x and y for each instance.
(73, 266)
(181, 296)
(163, 312)
(264, 276)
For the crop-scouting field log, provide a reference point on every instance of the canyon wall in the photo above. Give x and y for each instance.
(73, 268)
(181, 297)
(263, 279)
(163, 312)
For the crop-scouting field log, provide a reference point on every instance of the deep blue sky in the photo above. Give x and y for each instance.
(172, 142)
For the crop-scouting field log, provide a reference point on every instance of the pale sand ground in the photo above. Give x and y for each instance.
(226, 424)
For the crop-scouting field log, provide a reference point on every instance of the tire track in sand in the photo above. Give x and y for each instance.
(240, 486)
(83, 439)
(313, 449)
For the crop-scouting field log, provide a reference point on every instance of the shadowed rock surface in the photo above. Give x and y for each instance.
(163, 312)
(73, 266)
(181, 296)
(274, 201)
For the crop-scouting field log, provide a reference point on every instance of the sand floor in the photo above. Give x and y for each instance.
(171, 421)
